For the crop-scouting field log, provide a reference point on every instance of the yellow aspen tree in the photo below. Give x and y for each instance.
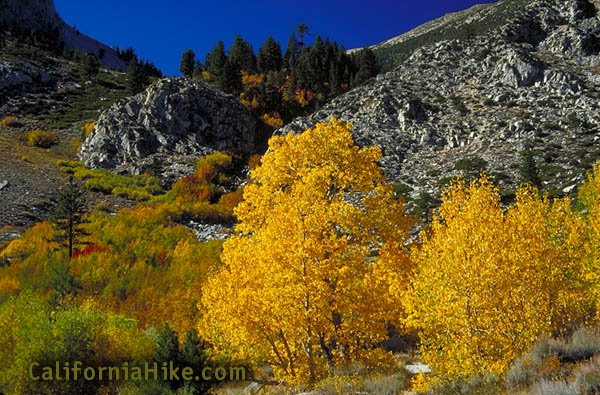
(488, 282)
(301, 287)
(589, 196)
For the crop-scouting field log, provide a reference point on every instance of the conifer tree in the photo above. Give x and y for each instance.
(68, 213)
(193, 355)
(167, 349)
(334, 79)
(90, 67)
(302, 29)
(230, 80)
(242, 55)
(291, 51)
(65, 285)
(269, 56)
(187, 63)
(198, 69)
(136, 78)
(215, 61)
(528, 170)
(367, 65)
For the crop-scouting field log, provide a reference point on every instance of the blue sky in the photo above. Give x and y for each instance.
(161, 30)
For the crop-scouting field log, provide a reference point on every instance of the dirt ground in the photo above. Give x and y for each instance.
(33, 177)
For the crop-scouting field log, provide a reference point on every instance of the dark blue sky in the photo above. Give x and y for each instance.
(161, 30)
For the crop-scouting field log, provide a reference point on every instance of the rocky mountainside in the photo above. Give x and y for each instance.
(474, 103)
(170, 124)
(41, 16)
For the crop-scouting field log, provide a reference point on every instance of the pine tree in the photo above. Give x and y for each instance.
(302, 29)
(187, 63)
(242, 55)
(291, 51)
(198, 69)
(215, 61)
(167, 349)
(318, 58)
(68, 214)
(65, 285)
(230, 80)
(528, 170)
(269, 56)
(167, 345)
(136, 78)
(268, 94)
(193, 355)
(367, 65)
(305, 69)
(90, 67)
(334, 79)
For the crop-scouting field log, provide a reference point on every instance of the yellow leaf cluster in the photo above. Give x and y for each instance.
(88, 127)
(488, 282)
(274, 120)
(41, 138)
(302, 287)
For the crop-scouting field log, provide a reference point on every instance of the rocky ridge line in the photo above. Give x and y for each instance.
(533, 81)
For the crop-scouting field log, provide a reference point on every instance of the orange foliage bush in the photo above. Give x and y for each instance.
(189, 189)
(232, 199)
(274, 120)
(252, 79)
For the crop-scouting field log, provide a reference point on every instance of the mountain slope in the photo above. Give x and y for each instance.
(468, 104)
(40, 16)
(474, 21)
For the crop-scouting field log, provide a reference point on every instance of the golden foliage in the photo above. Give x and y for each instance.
(41, 138)
(252, 79)
(9, 120)
(87, 128)
(274, 120)
(301, 288)
(589, 196)
(488, 283)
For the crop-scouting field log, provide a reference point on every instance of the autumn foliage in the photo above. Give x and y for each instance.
(41, 138)
(302, 287)
(488, 282)
(318, 272)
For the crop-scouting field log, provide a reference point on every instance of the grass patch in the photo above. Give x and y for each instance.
(88, 102)
(136, 187)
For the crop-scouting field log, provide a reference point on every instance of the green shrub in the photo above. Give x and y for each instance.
(472, 165)
(433, 173)
(401, 189)
(136, 187)
(218, 160)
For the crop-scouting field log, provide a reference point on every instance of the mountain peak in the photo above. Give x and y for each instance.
(40, 16)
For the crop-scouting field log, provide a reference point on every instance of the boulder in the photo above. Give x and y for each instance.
(175, 120)
(517, 68)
